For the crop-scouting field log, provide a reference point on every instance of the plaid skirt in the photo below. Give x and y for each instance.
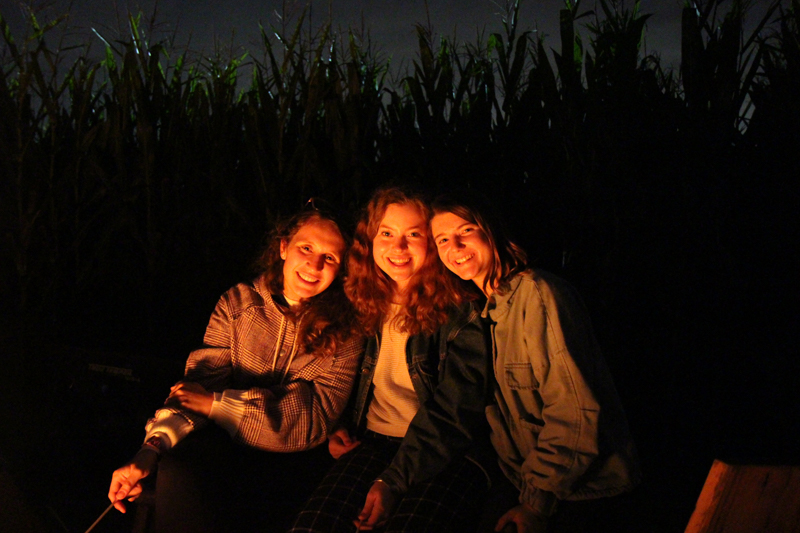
(451, 501)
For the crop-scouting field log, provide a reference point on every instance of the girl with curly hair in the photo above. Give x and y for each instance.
(277, 367)
(410, 457)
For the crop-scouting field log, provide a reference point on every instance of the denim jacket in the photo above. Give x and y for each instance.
(451, 375)
(558, 424)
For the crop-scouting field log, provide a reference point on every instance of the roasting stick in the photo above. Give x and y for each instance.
(101, 517)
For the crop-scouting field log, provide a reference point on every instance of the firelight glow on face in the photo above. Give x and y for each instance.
(463, 247)
(401, 245)
(311, 259)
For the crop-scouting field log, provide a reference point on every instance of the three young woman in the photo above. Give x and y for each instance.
(278, 364)
(409, 454)
(281, 359)
(557, 423)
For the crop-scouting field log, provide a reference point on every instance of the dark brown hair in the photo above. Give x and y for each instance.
(432, 292)
(508, 258)
(327, 319)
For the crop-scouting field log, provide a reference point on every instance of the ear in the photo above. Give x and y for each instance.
(284, 244)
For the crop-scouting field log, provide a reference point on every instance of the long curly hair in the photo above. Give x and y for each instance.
(326, 320)
(432, 292)
(508, 258)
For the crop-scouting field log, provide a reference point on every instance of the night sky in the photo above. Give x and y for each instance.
(390, 22)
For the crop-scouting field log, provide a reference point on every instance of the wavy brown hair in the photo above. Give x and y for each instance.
(432, 292)
(508, 258)
(326, 320)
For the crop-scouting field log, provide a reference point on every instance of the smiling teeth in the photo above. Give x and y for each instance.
(398, 262)
(307, 278)
(464, 259)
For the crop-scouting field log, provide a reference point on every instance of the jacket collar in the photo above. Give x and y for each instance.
(498, 304)
(270, 300)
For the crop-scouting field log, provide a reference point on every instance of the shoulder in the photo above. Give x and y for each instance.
(465, 315)
(462, 313)
(540, 281)
(351, 348)
(550, 291)
(243, 297)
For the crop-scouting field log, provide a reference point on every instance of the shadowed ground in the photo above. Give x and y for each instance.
(71, 416)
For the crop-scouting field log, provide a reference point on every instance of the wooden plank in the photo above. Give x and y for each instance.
(748, 499)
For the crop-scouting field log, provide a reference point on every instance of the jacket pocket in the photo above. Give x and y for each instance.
(519, 376)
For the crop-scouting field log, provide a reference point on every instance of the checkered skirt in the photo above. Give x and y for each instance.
(451, 501)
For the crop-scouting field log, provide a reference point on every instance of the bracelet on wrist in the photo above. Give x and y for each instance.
(379, 480)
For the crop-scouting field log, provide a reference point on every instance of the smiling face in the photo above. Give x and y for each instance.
(311, 259)
(400, 246)
(463, 247)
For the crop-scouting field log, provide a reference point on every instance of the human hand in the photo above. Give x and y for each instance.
(379, 505)
(340, 442)
(125, 481)
(190, 396)
(522, 519)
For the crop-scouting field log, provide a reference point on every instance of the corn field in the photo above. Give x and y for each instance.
(135, 189)
(144, 182)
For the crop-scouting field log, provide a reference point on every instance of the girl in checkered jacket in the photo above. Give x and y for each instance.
(233, 442)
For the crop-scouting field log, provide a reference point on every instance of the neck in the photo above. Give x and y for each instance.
(291, 303)
(487, 289)
(399, 296)
(400, 292)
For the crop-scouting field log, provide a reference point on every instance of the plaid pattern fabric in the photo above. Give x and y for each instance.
(272, 397)
(448, 502)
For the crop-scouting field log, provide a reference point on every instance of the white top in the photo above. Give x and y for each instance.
(394, 401)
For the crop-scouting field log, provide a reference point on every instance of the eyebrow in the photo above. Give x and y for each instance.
(458, 228)
(393, 228)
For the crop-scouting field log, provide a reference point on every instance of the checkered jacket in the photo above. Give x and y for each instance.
(268, 393)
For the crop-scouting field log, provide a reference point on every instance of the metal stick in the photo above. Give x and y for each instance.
(101, 517)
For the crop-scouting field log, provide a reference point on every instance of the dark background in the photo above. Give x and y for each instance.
(128, 208)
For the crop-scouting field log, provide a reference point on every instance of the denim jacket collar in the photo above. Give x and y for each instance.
(498, 304)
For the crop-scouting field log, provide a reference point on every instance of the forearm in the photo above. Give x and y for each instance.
(541, 501)
(174, 424)
(294, 416)
(260, 419)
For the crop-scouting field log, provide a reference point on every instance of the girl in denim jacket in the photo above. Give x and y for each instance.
(557, 423)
